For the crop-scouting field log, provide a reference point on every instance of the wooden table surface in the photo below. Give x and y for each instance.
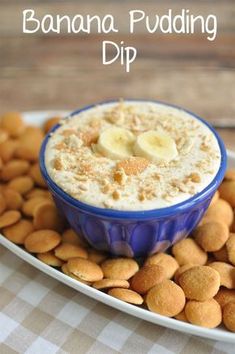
(64, 71)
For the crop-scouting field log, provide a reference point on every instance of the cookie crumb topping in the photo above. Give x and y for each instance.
(120, 176)
(177, 158)
(133, 166)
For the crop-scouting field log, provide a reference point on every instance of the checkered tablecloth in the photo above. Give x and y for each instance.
(40, 315)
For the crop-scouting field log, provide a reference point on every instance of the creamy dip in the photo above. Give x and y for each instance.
(132, 156)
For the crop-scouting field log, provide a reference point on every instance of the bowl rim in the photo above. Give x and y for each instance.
(137, 214)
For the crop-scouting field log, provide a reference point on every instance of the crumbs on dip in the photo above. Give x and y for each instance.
(132, 156)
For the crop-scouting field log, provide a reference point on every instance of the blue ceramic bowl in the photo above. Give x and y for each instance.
(134, 233)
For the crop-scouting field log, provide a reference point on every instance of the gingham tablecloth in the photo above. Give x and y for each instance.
(41, 315)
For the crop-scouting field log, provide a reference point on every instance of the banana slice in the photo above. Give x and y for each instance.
(155, 146)
(116, 143)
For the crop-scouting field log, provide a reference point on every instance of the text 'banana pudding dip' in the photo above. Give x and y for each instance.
(132, 156)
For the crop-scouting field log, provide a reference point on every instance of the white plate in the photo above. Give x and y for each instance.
(219, 334)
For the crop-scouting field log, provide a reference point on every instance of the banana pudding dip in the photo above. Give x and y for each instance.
(132, 155)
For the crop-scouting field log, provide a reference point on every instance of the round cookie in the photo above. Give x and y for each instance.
(36, 175)
(224, 296)
(168, 262)
(220, 211)
(30, 205)
(8, 149)
(147, 277)
(9, 218)
(85, 269)
(181, 270)
(229, 316)
(226, 272)
(166, 298)
(13, 169)
(13, 123)
(13, 199)
(126, 295)
(188, 251)
(46, 216)
(50, 123)
(119, 268)
(206, 314)
(37, 192)
(230, 247)
(42, 241)
(18, 232)
(66, 271)
(30, 143)
(3, 204)
(181, 316)
(4, 136)
(211, 236)
(200, 283)
(110, 283)
(65, 251)
(227, 192)
(22, 184)
(50, 259)
(70, 236)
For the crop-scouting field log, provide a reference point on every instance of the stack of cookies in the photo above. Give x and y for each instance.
(194, 282)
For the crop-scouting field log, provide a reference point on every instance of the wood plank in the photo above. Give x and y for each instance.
(61, 72)
(46, 72)
(209, 93)
(11, 12)
(70, 51)
(40, 93)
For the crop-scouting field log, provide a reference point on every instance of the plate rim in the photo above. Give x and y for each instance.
(217, 334)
